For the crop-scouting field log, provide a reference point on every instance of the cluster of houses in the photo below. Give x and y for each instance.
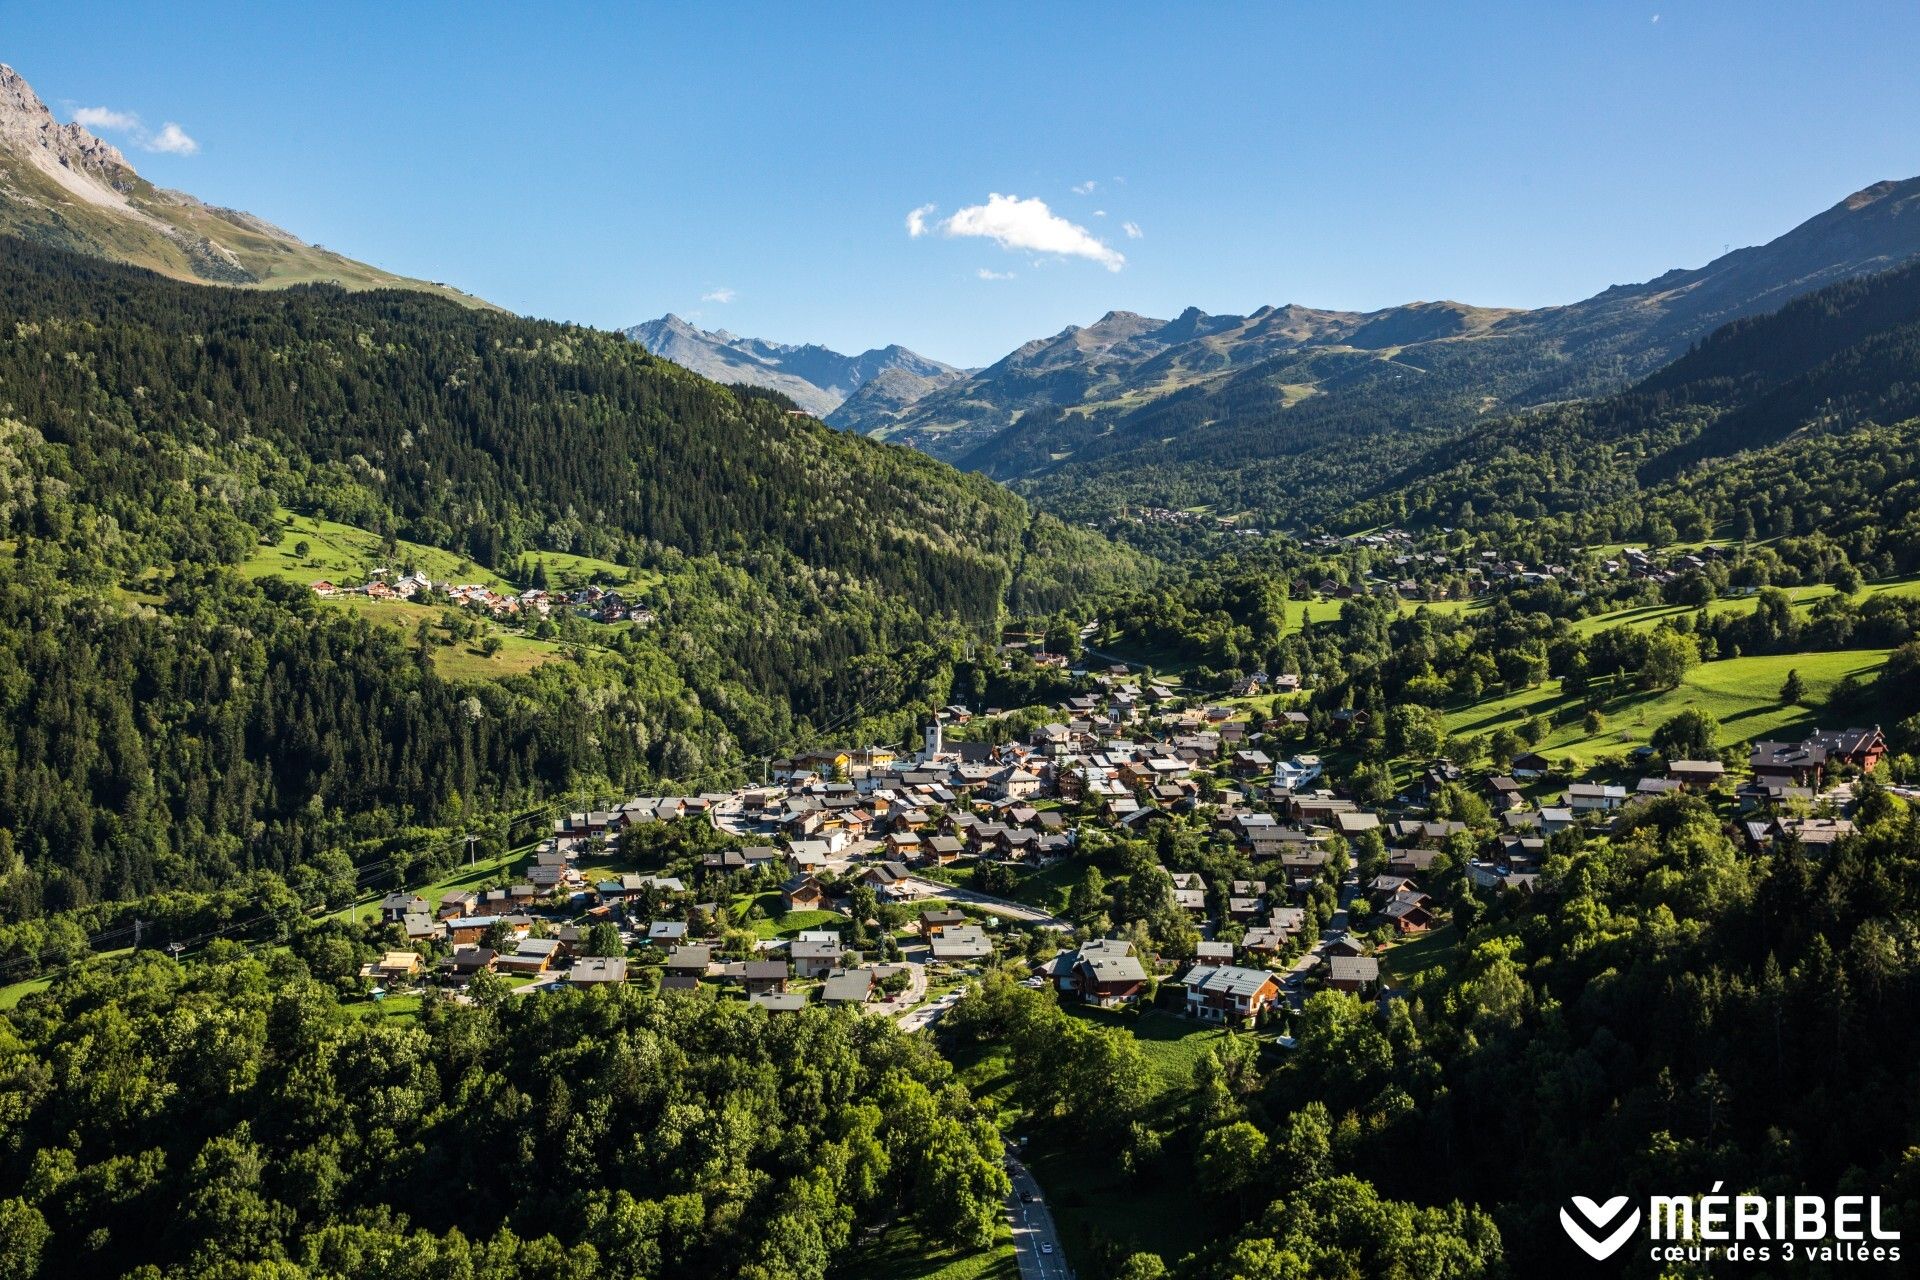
(1413, 569)
(829, 821)
(594, 603)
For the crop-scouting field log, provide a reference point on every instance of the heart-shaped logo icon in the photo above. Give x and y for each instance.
(1599, 1247)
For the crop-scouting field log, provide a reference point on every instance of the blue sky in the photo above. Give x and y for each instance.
(752, 166)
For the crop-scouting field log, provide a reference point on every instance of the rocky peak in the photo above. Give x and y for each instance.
(26, 124)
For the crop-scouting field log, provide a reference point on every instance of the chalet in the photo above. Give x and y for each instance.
(1796, 764)
(460, 902)
(935, 919)
(689, 959)
(1249, 764)
(1696, 775)
(531, 955)
(757, 976)
(1428, 834)
(1502, 792)
(1267, 941)
(1213, 953)
(960, 944)
(1531, 764)
(779, 1001)
(1016, 783)
(817, 957)
(888, 880)
(1103, 972)
(1345, 944)
(1245, 910)
(396, 907)
(397, 966)
(1229, 993)
(469, 929)
(465, 962)
(803, 893)
(854, 986)
(1595, 797)
(1354, 822)
(672, 981)
(1409, 912)
(1354, 974)
(667, 933)
(598, 971)
(1860, 748)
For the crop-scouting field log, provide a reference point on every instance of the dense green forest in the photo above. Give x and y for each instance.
(218, 1120)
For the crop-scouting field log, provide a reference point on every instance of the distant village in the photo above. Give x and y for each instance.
(594, 603)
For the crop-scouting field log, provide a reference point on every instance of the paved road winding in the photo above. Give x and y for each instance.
(1002, 907)
(1036, 1242)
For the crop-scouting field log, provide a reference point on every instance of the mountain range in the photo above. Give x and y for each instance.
(817, 379)
(63, 187)
(1287, 412)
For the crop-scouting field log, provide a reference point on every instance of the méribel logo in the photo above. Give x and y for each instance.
(1590, 1231)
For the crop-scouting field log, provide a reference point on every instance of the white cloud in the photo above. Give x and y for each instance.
(986, 273)
(172, 140)
(105, 118)
(1014, 223)
(718, 295)
(1085, 188)
(1132, 229)
(1099, 213)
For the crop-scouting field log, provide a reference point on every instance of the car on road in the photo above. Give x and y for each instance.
(1046, 1246)
(1026, 1197)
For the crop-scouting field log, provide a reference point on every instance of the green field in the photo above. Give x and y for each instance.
(1173, 1044)
(1436, 949)
(778, 922)
(898, 1252)
(341, 552)
(1742, 693)
(1048, 888)
(14, 994)
(462, 660)
(1803, 600)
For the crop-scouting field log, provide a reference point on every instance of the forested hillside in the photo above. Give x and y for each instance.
(1750, 432)
(169, 724)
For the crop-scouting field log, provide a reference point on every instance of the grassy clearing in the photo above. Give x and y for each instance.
(778, 922)
(406, 1008)
(462, 660)
(1438, 949)
(1173, 1044)
(1048, 888)
(1742, 693)
(342, 552)
(899, 1252)
(485, 871)
(11, 996)
(1803, 602)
